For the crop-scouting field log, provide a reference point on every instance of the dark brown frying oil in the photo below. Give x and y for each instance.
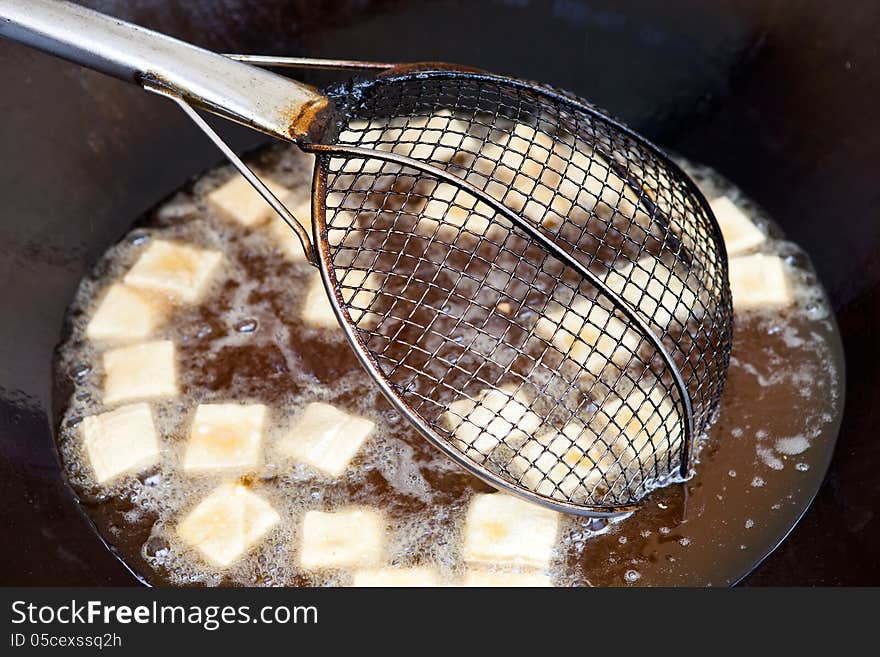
(245, 342)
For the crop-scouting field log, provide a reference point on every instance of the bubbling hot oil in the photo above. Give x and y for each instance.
(245, 342)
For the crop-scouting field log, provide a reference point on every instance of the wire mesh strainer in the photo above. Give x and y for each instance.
(543, 294)
(539, 290)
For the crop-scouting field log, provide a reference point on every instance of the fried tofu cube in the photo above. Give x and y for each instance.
(611, 341)
(358, 290)
(180, 272)
(643, 428)
(591, 180)
(505, 578)
(420, 576)
(502, 530)
(283, 236)
(348, 538)
(316, 310)
(436, 137)
(528, 138)
(656, 291)
(225, 437)
(121, 441)
(141, 371)
(493, 417)
(563, 465)
(125, 313)
(227, 523)
(326, 437)
(759, 281)
(450, 211)
(588, 334)
(531, 177)
(740, 234)
(236, 199)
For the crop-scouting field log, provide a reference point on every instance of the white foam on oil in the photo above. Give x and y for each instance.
(792, 445)
(769, 458)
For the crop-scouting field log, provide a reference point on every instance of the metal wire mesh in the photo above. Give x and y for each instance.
(504, 355)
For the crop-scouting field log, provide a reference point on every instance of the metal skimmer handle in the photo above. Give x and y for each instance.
(254, 97)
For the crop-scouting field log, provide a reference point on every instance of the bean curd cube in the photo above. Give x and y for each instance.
(523, 166)
(559, 318)
(227, 523)
(591, 181)
(759, 281)
(504, 530)
(451, 211)
(491, 418)
(438, 137)
(141, 371)
(121, 441)
(522, 171)
(612, 341)
(740, 234)
(353, 537)
(527, 138)
(656, 291)
(504, 578)
(237, 199)
(397, 577)
(225, 436)
(283, 236)
(362, 170)
(514, 170)
(561, 464)
(588, 334)
(182, 273)
(316, 310)
(358, 290)
(125, 313)
(643, 428)
(326, 437)
(435, 136)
